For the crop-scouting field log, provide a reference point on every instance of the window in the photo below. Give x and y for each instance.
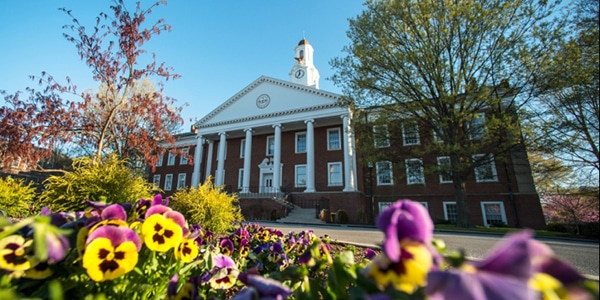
(181, 181)
(444, 169)
(450, 211)
(242, 148)
(184, 159)
(16, 163)
(270, 145)
(476, 127)
(414, 171)
(156, 180)
(381, 136)
(424, 203)
(486, 169)
(301, 142)
(410, 134)
(334, 171)
(384, 205)
(333, 139)
(160, 160)
(493, 213)
(300, 176)
(168, 182)
(434, 133)
(384, 173)
(171, 160)
(240, 178)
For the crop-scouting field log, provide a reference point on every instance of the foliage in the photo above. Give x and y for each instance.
(548, 172)
(208, 206)
(152, 252)
(16, 197)
(460, 70)
(571, 208)
(342, 216)
(122, 116)
(110, 181)
(567, 115)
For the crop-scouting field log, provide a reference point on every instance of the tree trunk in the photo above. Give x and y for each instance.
(463, 218)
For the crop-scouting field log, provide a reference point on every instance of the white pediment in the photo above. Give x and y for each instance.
(266, 97)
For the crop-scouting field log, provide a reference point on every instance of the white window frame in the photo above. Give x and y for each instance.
(160, 160)
(406, 133)
(378, 167)
(331, 147)
(156, 180)
(171, 160)
(184, 153)
(331, 181)
(409, 171)
(240, 178)
(483, 169)
(477, 127)
(181, 177)
(297, 145)
(484, 214)
(15, 163)
(168, 182)
(380, 131)
(242, 148)
(297, 182)
(383, 205)
(269, 139)
(445, 204)
(441, 165)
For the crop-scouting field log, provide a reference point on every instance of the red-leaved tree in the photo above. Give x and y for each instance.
(124, 115)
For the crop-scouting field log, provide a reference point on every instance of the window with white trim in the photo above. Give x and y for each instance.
(300, 142)
(424, 203)
(384, 172)
(300, 176)
(171, 160)
(334, 174)
(156, 180)
(486, 169)
(334, 139)
(493, 213)
(181, 181)
(184, 156)
(242, 148)
(414, 171)
(450, 211)
(444, 169)
(383, 205)
(381, 136)
(168, 182)
(160, 160)
(410, 134)
(476, 127)
(270, 145)
(240, 178)
(15, 163)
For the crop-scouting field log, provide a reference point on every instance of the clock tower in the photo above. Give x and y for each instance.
(304, 71)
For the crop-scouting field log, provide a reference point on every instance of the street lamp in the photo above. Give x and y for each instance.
(370, 166)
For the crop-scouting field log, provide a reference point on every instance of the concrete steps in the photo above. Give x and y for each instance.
(302, 216)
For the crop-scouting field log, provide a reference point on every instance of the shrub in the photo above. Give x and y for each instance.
(109, 181)
(324, 215)
(208, 206)
(15, 197)
(342, 216)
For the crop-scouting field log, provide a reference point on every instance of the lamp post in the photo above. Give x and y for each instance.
(370, 166)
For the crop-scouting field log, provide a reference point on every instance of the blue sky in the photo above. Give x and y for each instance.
(218, 47)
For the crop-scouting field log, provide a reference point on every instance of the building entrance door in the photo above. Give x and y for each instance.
(267, 183)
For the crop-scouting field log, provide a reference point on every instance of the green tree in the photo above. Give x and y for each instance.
(209, 206)
(16, 197)
(568, 110)
(109, 180)
(461, 68)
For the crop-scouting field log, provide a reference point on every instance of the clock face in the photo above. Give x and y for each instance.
(299, 74)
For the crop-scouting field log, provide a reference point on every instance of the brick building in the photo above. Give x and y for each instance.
(289, 140)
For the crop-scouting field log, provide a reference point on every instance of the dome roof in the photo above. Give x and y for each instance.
(303, 42)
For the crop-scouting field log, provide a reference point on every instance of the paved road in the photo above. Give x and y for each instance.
(582, 255)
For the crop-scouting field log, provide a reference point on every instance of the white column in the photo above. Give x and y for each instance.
(221, 159)
(197, 160)
(310, 156)
(346, 142)
(277, 159)
(247, 156)
(209, 158)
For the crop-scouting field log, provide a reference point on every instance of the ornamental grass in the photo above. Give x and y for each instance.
(147, 250)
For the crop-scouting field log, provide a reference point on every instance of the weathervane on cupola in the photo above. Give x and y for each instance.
(304, 71)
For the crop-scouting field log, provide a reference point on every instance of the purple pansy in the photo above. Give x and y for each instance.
(264, 288)
(117, 235)
(404, 219)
